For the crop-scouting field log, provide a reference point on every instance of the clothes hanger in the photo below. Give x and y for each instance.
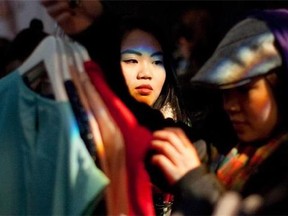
(46, 56)
(83, 53)
(73, 55)
(65, 59)
(77, 56)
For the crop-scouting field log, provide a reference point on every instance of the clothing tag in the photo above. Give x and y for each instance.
(34, 72)
(37, 80)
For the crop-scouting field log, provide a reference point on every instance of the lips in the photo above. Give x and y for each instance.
(238, 125)
(144, 89)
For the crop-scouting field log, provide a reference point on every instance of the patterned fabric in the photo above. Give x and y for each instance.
(241, 162)
(81, 118)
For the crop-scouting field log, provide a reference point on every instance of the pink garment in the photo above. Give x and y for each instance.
(137, 141)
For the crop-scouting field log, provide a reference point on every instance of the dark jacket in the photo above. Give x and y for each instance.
(199, 190)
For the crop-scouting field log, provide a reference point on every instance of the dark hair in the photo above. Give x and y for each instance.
(170, 93)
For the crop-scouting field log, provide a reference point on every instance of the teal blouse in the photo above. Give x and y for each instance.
(45, 168)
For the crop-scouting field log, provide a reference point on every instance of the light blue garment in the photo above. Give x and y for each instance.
(45, 168)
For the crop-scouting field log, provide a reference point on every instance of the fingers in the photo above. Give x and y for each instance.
(184, 140)
(171, 136)
(73, 20)
(181, 135)
(58, 10)
(176, 147)
(54, 5)
(166, 166)
(176, 154)
(165, 148)
(92, 8)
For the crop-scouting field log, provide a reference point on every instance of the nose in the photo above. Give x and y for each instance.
(144, 71)
(231, 102)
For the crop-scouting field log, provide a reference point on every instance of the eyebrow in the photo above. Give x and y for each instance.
(129, 51)
(157, 54)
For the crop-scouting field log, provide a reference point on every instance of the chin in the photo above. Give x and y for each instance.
(144, 101)
(247, 138)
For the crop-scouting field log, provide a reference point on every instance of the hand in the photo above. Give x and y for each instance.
(176, 155)
(74, 20)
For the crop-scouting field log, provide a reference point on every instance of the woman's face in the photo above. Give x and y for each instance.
(252, 110)
(142, 66)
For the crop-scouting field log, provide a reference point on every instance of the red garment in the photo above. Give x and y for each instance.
(137, 141)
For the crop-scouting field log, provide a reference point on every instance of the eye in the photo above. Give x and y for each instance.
(130, 61)
(158, 62)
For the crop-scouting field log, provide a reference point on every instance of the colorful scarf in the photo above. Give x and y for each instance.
(241, 162)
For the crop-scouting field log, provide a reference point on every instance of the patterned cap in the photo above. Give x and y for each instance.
(246, 51)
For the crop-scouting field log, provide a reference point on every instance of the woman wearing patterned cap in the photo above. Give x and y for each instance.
(249, 67)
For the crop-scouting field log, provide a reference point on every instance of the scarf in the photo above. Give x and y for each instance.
(242, 161)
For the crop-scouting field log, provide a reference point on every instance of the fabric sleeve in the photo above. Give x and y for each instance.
(197, 192)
